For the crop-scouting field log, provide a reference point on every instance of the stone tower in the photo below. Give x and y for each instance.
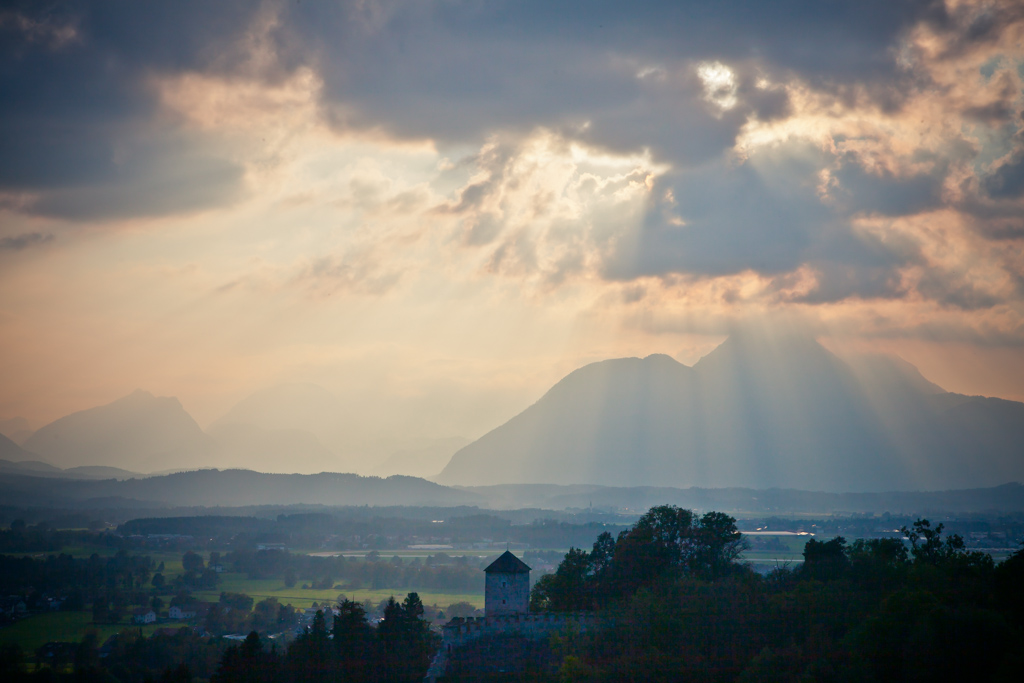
(507, 587)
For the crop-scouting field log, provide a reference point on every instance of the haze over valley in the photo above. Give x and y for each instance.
(759, 411)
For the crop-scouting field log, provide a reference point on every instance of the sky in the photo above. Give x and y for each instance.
(436, 209)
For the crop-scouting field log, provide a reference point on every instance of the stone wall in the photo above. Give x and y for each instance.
(458, 633)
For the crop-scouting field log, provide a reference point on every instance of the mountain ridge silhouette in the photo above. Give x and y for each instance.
(759, 411)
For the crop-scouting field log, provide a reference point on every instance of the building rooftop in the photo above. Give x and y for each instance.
(508, 563)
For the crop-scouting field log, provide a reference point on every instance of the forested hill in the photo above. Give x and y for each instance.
(229, 488)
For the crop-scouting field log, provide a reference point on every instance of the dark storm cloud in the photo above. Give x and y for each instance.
(72, 75)
(452, 70)
(721, 220)
(1007, 180)
(767, 215)
(24, 241)
(77, 116)
(862, 191)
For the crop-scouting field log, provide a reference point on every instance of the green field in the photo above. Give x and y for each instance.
(793, 552)
(260, 589)
(69, 627)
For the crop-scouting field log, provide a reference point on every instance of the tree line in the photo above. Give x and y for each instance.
(396, 650)
(678, 605)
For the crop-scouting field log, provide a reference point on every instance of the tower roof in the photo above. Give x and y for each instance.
(508, 563)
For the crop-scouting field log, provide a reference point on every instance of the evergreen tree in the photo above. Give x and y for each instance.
(354, 644)
(310, 658)
(248, 663)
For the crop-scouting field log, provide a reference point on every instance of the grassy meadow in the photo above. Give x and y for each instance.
(260, 589)
(70, 627)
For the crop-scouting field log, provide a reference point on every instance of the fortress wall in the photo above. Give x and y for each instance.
(534, 626)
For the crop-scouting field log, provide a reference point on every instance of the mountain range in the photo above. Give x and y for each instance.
(287, 427)
(759, 411)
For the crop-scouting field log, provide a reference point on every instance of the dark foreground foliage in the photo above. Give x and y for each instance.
(397, 650)
(672, 602)
(679, 608)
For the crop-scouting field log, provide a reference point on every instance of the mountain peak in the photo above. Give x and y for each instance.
(761, 410)
(138, 432)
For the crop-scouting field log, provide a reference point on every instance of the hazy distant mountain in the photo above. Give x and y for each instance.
(299, 407)
(16, 429)
(12, 451)
(270, 450)
(139, 432)
(228, 488)
(35, 468)
(32, 468)
(757, 412)
(301, 419)
(310, 425)
(425, 461)
(99, 472)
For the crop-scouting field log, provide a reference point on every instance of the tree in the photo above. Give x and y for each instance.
(101, 609)
(247, 663)
(824, 560)
(719, 545)
(179, 674)
(181, 598)
(87, 658)
(310, 658)
(192, 562)
(877, 563)
(158, 581)
(236, 601)
(353, 642)
(666, 541)
(406, 640)
(269, 615)
(569, 589)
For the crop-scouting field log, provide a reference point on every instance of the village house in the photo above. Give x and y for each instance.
(182, 612)
(193, 610)
(143, 615)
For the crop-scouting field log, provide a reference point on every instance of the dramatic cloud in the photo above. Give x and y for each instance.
(502, 181)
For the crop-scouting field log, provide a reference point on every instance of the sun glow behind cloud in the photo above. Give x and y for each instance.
(719, 84)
